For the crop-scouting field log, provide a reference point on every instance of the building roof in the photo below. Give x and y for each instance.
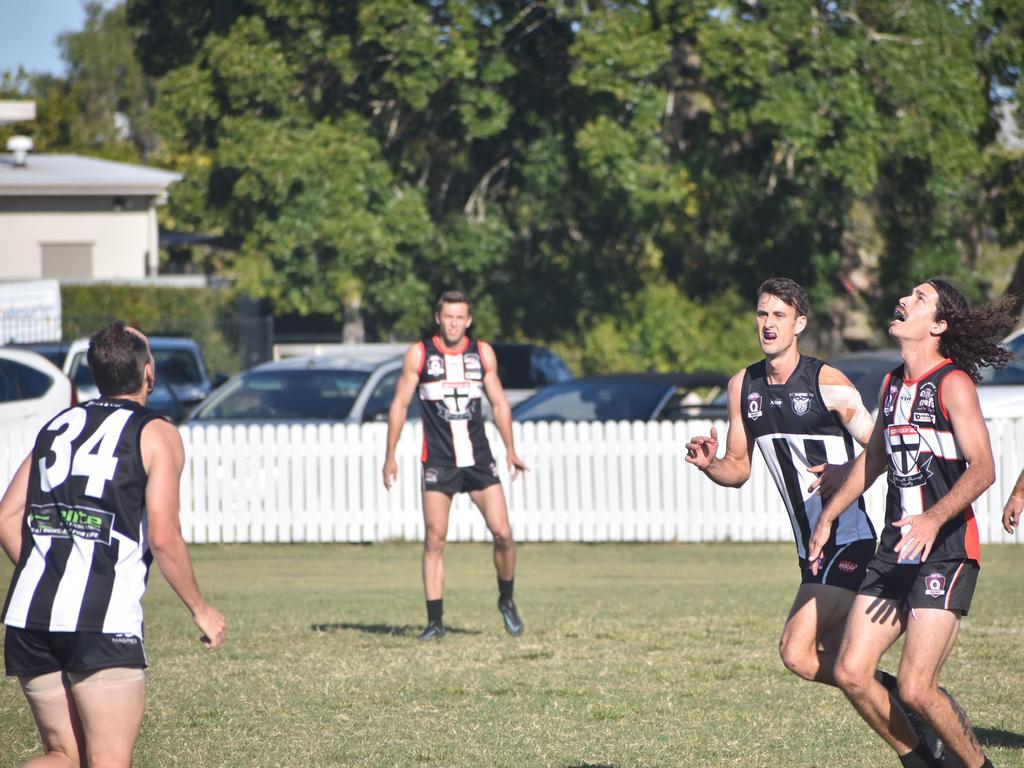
(52, 175)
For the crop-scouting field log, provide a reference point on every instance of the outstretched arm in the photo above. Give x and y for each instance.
(163, 457)
(732, 469)
(400, 408)
(500, 408)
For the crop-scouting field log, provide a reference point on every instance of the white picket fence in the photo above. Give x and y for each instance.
(587, 482)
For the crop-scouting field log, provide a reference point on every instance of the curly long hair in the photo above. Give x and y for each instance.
(971, 338)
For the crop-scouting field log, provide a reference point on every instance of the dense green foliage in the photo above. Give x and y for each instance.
(200, 313)
(562, 161)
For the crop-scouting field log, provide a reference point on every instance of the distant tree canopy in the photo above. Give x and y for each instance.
(583, 169)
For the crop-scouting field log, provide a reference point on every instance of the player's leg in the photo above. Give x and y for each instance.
(110, 703)
(873, 625)
(810, 640)
(49, 697)
(490, 500)
(931, 634)
(436, 507)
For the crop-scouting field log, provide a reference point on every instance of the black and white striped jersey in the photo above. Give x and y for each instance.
(794, 430)
(925, 462)
(84, 556)
(451, 387)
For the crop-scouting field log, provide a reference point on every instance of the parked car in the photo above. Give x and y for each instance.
(625, 397)
(32, 389)
(310, 388)
(525, 368)
(179, 366)
(54, 351)
(866, 370)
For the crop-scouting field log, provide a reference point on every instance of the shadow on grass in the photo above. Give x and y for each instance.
(385, 629)
(994, 737)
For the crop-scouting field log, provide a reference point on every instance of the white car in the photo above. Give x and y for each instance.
(32, 390)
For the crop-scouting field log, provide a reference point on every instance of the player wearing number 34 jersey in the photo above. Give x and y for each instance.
(86, 513)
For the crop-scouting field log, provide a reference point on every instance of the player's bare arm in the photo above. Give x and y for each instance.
(960, 398)
(163, 457)
(843, 399)
(500, 408)
(1014, 506)
(864, 470)
(12, 511)
(733, 468)
(404, 391)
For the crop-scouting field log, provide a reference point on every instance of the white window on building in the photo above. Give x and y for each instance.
(67, 260)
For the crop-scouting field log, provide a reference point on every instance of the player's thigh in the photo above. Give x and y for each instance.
(110, 704)
(818, 615)
(49, 698)
(931, 634)
(873, 624)
(491, 503)
(436, 506)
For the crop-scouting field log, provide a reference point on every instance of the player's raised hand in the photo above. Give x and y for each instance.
(701, 450)
(390, 471)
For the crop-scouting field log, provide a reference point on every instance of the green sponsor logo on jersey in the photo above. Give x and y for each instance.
(88, 524)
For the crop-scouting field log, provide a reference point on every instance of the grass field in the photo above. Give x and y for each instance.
(634, 655)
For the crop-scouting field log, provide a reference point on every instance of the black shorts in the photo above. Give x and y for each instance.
(31, 652)
(842, 565)
(948, 584)
(459, 479)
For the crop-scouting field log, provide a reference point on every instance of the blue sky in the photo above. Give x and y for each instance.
(29, 29)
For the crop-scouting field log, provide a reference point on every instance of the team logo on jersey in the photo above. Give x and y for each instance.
(456, 401)
(435, 366)
(908, 468)
(801, 401)
(890, 399)
(846, 566)
(926, 397)
(775, 402)
(754, 411)
(472, 362)
(935, 585)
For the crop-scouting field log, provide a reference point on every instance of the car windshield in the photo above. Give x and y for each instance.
(595, 400)
(1013, 373)
(177, 366)
(325, 395)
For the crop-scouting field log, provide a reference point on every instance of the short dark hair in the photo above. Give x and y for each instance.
(453, 297)
(790, 291)
(118, 359)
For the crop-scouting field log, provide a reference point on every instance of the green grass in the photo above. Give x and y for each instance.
(634, 655)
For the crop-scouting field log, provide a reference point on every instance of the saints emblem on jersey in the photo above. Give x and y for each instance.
(908, 467)
(456, 401)
(435, 366)
(754, 406)
(800, 401)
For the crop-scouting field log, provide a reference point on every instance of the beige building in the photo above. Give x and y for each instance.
(79, 218)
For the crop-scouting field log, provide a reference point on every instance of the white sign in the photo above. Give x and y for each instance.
(30, 312)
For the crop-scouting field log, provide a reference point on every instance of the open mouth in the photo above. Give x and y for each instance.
(769, 335)
(898, 315)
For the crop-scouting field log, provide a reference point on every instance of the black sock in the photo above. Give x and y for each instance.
(435, 609)
(919, 758)
(505, 588)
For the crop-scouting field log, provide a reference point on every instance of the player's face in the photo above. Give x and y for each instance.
(453, 320)
(914, 315)
(777, 325)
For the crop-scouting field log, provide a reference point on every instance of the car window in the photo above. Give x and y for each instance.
(514, 367)
(379, 403)
(177, 366)
(298, 394)
(593, 401)
(22, 382)
(548, 368)
(80, 372)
